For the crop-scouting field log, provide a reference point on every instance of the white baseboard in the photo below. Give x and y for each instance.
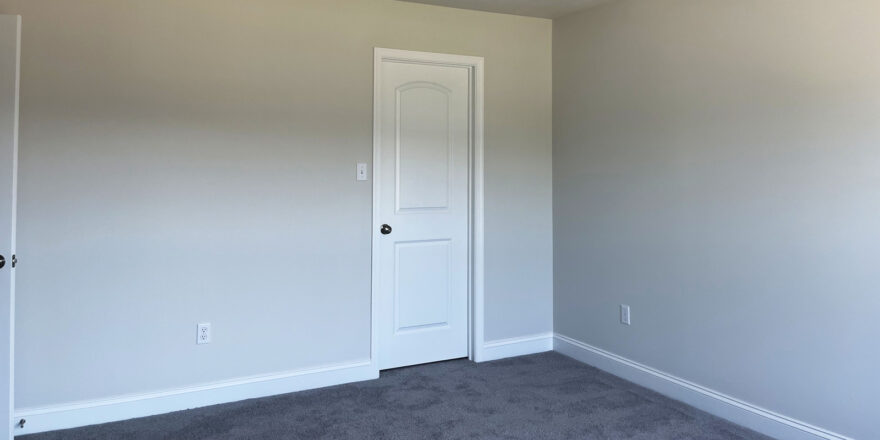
(742, 413)
(84, 413)
(505, 348)
(71, 415)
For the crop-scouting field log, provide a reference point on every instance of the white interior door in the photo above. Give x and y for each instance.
(423, 137)
(10, 36)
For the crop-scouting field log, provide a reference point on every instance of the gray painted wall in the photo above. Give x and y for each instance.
(189, 161)
(716, 167)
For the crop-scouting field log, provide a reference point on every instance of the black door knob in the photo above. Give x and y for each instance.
(2, 261)
(385, 230)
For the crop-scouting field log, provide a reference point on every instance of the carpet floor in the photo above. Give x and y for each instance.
(544, 396)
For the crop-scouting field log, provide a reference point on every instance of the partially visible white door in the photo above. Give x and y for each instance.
(423, 138)
(10, 37)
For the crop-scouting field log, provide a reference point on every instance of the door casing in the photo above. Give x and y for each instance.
(10, 113)
(475, 190)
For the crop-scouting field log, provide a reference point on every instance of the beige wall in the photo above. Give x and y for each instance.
(717, 168)
(194, 160)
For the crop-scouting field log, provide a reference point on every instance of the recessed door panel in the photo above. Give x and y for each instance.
(424, 147)
(422, 291)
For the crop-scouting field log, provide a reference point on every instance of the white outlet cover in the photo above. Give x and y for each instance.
(624, 314)
(203, 333)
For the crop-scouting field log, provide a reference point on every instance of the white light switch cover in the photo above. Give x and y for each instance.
(362, 171)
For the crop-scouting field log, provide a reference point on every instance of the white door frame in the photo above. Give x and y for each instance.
(8, 393)
(475, 188)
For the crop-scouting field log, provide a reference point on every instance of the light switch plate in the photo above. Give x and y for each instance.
(624, 314)
(362, 171)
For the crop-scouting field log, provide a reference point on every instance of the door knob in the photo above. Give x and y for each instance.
(385, 230)
(2, 261)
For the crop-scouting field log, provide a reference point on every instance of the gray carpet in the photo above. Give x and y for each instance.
(544, 396)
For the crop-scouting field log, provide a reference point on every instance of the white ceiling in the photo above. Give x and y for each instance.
(533, 8)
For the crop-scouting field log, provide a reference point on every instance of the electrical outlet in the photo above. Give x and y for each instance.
(624, 314)
(204, 333)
